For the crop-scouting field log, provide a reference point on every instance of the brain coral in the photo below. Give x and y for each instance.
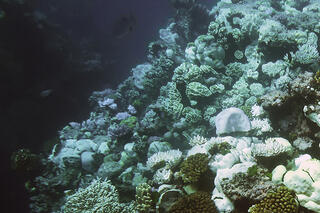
(193, 167)
(199, 202)
(281, 201)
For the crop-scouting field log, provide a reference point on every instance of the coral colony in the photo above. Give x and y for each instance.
(223, 117)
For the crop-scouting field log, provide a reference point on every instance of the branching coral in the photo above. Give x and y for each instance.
(197, 140)
(99, 197)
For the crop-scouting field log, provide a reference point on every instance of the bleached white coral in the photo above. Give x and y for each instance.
(307, 54)
(257, 111)
(198, 149)
(305, 181)
(303, 143)
(197, 140)
(221, 201)
(273, 69)
(271, 32)
(261, 126)
(272, 147)
(214, 141)
(162, 175)
(169, 158)
(223, 161)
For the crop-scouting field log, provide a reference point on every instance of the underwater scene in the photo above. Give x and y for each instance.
(215, 110)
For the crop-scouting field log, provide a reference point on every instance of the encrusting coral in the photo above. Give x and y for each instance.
(250, 187)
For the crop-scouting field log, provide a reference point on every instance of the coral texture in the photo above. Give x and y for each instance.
(98, 197)
(144, 201)
(193, 167)
(199, 202)
(281, 201)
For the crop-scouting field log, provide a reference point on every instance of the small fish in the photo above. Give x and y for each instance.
(123, 26)
(46, 93)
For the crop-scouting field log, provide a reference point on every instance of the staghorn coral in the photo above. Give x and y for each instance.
(195, 203)
(283, 200)
(193, 167)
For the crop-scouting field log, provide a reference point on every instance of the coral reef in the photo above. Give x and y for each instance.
(47, 191)
(99, 196)
(216, 108)
(272, 147)
(232, 120)
(169, 158)
(303, 180)
(196, 202)
(193, 167)
(244, 189)
(197, 140)
(282, 200)
(144, 202)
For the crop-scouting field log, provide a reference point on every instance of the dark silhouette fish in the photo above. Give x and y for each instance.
(123, 26)
(46, 93)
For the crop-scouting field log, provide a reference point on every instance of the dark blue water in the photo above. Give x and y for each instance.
(29, 119)
(45, 81)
